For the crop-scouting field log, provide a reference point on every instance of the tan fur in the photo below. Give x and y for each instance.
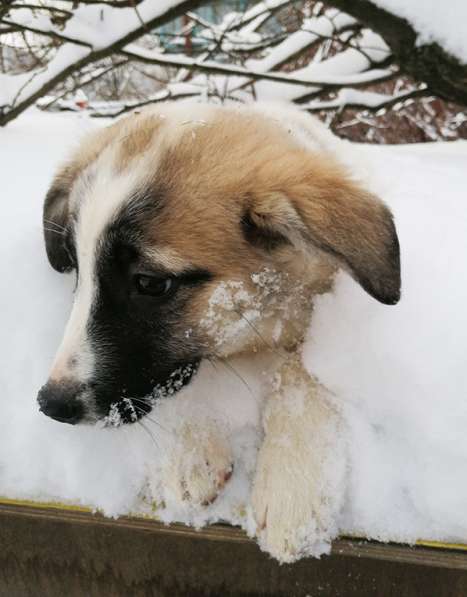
(210, 173)
(270, 219)
(236, 163)
(131, 135)
(135, 138)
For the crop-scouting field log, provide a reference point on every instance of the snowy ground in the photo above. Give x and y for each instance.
(398, 373)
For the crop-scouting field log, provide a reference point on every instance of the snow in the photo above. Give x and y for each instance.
(349, 65)
(101, 25)
(98, 25)
(397, 373)
(17, 88)
(434, 21)
(84, 31)
(350, 96)
(311, 30)
(348, 74)
(262, 7)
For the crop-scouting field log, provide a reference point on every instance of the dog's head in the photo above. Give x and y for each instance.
(191, 236)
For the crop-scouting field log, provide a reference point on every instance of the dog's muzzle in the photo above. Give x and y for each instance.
(72, 402)
(61, 401)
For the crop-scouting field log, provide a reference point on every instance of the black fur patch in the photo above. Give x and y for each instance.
(138, 341)
(130, 410)
(57, 232)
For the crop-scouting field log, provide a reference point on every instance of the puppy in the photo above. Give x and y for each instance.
(198, 232)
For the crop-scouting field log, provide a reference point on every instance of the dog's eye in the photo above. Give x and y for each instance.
(154, 286)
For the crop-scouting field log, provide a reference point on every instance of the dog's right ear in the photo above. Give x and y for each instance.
(314, 203)
(58, 234)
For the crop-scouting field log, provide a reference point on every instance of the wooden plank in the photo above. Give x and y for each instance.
(347, 547)
(61, 552)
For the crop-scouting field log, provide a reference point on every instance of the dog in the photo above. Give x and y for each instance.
(200, 231)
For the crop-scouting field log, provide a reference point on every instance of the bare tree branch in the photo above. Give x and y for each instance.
(157, 98)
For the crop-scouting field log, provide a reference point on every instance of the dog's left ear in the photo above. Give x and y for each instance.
(318, 205)
(57, 232)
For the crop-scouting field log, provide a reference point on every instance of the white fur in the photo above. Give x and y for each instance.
(200, 464)
(297, 488)
(97, 197)
(296, 493)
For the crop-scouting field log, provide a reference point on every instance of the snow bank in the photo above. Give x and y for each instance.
(397, 373)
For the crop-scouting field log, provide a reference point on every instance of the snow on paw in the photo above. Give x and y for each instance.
(295, 515)
(299, 484)
(199, 467)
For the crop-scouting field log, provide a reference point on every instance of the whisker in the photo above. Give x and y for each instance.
(54, 224)
(59, 232)
(231, 368)
(146, 416)
(149, 433)
(146, 401)
(59, 226)
(213, 363)
(271, 348)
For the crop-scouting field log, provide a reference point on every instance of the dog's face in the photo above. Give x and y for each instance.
(190, 238)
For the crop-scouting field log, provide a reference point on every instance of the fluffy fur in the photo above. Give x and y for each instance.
(237, 216)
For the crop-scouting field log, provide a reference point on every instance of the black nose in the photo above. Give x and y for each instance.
(59, 401)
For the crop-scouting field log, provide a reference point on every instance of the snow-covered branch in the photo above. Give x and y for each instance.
(330, 81)
(364, 100)
(177, 92)
(304, 51)
(93, 32)
(432, 62)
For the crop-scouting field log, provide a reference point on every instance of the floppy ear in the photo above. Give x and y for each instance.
(324, 208)
(57, 231)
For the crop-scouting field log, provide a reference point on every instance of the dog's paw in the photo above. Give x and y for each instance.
(199, 467)
(294, 514)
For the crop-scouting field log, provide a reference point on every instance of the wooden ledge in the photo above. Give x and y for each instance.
(438, 555)
(57, 550)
